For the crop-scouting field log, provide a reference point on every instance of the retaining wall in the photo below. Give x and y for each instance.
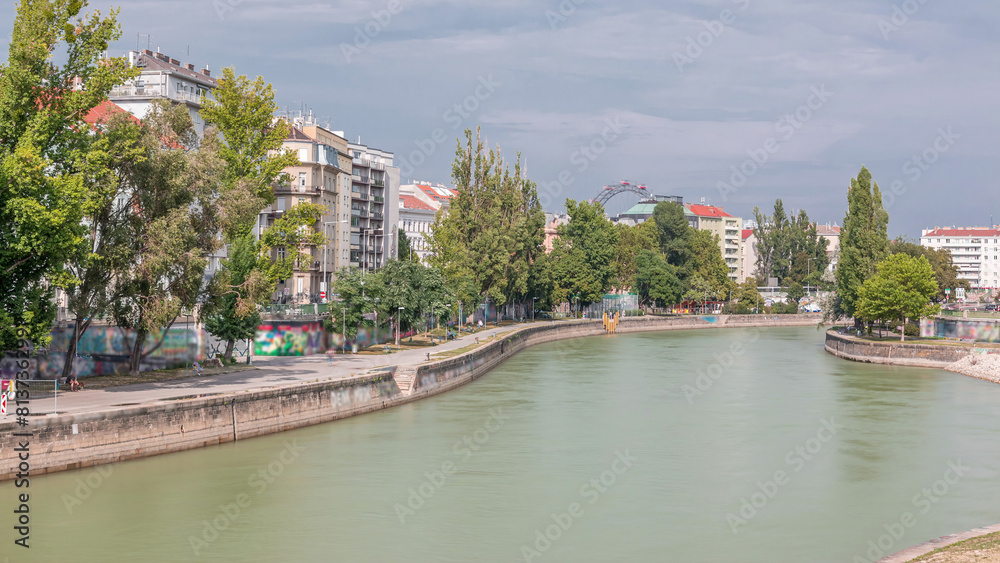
(128, 432)
(895, 353)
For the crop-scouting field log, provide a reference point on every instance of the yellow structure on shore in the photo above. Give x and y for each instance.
(611, 322)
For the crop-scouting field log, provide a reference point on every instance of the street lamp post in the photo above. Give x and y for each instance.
(533, 299)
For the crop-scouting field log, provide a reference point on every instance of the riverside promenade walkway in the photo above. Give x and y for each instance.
(271, 372)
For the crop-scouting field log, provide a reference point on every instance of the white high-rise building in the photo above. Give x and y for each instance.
(974, 250)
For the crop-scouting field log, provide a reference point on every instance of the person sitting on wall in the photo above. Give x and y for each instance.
(73, 382)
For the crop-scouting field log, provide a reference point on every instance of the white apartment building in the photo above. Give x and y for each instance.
(162, 77)
(974, 250)
(418, 207)
(728, 228)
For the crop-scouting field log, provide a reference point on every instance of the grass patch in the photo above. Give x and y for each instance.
(982, 548)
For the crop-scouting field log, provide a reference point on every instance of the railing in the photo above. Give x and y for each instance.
(378, 199)
(154, 92)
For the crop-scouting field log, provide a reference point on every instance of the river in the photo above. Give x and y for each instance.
(690, 446)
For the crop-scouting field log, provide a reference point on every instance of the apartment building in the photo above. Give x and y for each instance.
(832, 235)
(418, 207)
(322, 177)
(374, 181)
(974, 250)
(729, 230)
(162, 77)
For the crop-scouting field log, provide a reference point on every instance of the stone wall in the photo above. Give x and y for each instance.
(74, 441)
(895, 353)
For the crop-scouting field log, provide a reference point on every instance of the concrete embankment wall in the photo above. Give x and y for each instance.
(895, 353)
(128, 432)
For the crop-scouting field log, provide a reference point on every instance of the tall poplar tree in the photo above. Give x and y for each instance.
(488, 241)
(864, 241)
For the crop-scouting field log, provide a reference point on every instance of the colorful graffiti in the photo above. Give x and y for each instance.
(106, 349)
(966, 329)
(289, 338)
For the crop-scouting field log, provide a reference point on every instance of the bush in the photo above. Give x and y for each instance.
(911, 329)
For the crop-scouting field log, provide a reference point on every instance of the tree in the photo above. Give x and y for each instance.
(232, 317)
(174, 223)
(707, 264)
(655, 280)
(583, 256)
(357, 298)
(901, 290)
(405, 251)
(494, 229)
(43, 139)
(945, 270)
(747, 297)
(631, 241)
(241, 114)
(789, 248)
(108, 251)
(699, 289)
(864, 241)
(673, 230)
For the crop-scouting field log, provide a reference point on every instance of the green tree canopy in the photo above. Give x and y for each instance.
(656, 281)
(901, 290)
(55, 73)
(945, 270)
(487, 242)
(583, 256)
(673, 230)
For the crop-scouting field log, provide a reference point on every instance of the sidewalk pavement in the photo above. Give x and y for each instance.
(271, 372)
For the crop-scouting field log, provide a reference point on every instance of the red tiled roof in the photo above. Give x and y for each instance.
(747, 233)
(828, 231)
(101, 112)
(430, 191)
(984, 232)
(411, 202)
(708, 211)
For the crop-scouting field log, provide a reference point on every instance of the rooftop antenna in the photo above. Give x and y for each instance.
(137, 35)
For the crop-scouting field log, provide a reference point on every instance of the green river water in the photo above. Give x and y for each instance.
(593, 449)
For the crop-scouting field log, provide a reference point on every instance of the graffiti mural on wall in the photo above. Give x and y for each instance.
(289, 338)
(968, 329)
(106, 349)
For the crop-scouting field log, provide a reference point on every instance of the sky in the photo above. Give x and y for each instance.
(739, 102)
